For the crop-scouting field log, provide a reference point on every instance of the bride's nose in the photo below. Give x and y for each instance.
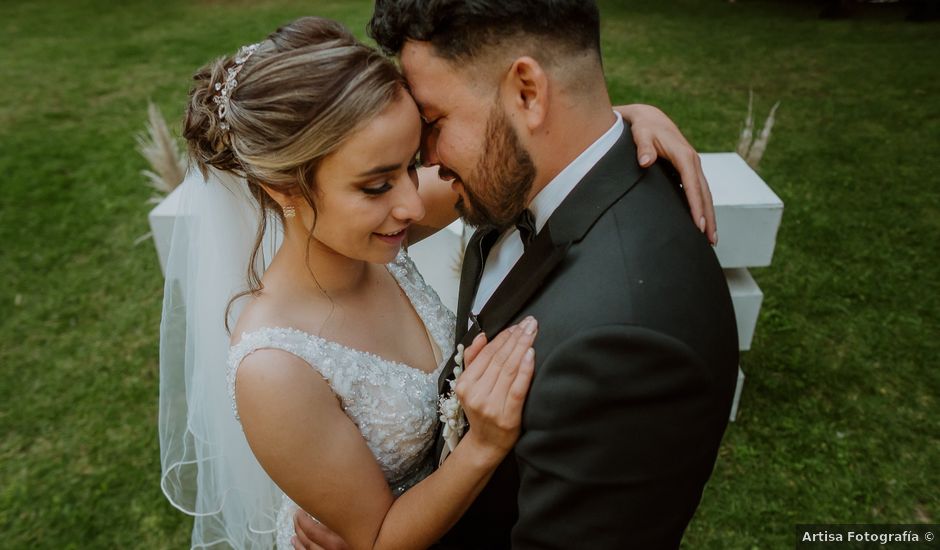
(408, 204)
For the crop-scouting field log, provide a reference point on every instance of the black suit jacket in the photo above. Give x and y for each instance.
(636, 362)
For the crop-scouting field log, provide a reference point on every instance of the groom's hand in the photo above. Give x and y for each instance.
(313, 535)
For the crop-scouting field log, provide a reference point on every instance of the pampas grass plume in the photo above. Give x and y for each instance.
(749, 148)
(163, 153)
(760, 144)
(747, 134)
(167, 164)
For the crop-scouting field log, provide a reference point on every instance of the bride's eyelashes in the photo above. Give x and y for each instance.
(373, 191)
(386, 186)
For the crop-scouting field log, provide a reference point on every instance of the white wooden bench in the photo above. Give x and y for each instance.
(748, 213)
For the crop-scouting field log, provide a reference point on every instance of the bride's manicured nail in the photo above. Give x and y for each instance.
(701, 224)
(530, 325)
(644, 160)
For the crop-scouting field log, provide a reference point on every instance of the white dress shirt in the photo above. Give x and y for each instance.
(508, 248)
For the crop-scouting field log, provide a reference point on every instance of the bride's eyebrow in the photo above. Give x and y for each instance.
(383, 169)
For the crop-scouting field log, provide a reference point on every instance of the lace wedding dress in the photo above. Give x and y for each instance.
(394, 405)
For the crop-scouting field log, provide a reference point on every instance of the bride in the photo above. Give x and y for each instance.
(324, 392)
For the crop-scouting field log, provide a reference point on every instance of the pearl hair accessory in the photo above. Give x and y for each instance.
(290, 211)
(224, 95)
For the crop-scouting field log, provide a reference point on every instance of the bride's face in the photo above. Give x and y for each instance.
(368, 188)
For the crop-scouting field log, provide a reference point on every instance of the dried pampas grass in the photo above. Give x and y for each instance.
(751, 149)
(163, 152)
(747, 133)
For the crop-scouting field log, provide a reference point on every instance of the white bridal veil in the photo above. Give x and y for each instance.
(208, 470)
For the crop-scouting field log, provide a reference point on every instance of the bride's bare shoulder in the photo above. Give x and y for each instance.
(270, 308)
(255, 314)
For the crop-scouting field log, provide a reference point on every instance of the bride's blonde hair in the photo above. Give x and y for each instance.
(296, 98)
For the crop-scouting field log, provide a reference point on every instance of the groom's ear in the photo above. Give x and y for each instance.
(527, 89)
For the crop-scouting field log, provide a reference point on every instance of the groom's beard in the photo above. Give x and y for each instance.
(498, 189)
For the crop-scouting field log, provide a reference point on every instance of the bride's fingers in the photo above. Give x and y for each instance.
(711, 223)
(645, 151)
(509, 371)
(475, 368)
(506, 358)
(690, 170)
(515, 399)
(470, 353)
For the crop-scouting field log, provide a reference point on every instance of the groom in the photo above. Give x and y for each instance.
(636, 355)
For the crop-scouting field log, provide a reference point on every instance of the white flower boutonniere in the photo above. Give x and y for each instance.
(452, 415)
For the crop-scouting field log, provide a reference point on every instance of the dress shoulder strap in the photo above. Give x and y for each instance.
(296, 342)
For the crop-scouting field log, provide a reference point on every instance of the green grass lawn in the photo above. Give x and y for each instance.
(839, 419)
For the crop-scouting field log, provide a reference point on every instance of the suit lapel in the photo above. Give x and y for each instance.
(522, 281)
(525, 278)
(611, 178)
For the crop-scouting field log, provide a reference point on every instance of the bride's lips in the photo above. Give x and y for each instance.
(393, 238)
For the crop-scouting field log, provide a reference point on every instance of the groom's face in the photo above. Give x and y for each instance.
(470, 137)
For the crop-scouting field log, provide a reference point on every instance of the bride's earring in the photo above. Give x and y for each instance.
(289, 212)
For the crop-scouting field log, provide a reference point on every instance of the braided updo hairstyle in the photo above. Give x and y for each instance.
(308, 86)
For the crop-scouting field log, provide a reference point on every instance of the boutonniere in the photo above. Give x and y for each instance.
(452, 415)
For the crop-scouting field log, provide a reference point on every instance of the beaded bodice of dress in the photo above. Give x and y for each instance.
(393, 404)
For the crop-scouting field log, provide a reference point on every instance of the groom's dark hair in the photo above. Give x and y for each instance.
(459, 30)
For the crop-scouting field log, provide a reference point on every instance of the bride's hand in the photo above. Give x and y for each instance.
(656, 135)
(493, 387)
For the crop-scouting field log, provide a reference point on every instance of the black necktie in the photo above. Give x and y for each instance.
(478, 248)
(525, 223)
